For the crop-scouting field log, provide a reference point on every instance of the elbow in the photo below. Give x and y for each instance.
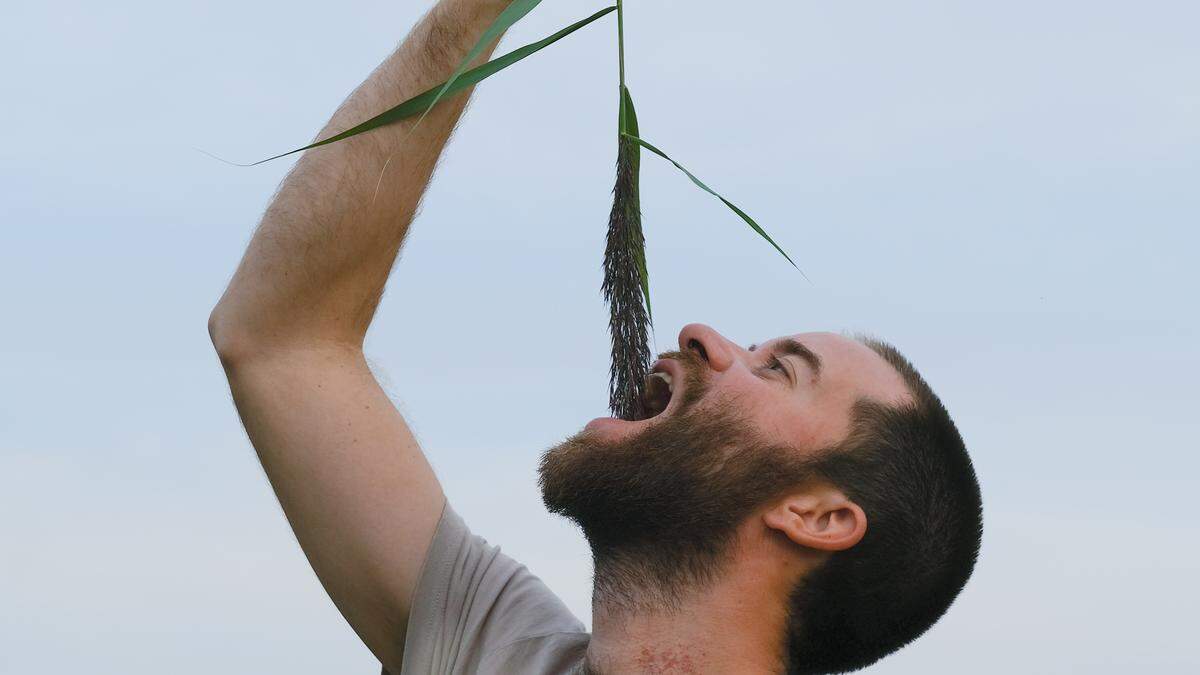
(245, 335)
(228, 339)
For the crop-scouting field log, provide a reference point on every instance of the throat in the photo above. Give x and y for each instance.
(679, 651)
(711, 631)
(651, 658)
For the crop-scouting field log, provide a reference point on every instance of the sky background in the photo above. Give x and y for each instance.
(1006, 191)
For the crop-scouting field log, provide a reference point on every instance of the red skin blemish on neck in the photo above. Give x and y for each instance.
(666, 662)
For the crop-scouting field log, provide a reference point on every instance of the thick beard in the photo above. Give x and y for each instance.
(661, 509)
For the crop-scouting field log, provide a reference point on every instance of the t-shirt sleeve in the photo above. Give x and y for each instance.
(472, 600)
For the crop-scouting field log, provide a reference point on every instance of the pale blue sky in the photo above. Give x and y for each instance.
(1007, 191)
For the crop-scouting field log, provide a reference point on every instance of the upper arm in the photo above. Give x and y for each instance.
(350, 476)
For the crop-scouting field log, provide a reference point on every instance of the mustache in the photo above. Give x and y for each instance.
(690, 359)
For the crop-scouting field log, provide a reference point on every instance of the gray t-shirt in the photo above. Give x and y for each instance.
(475, 610)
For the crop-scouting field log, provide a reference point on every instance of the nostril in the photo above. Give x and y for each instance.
(695, 344)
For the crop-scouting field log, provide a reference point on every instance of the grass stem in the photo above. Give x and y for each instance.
(621, 42)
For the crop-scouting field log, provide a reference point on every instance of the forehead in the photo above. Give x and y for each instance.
(851, 369)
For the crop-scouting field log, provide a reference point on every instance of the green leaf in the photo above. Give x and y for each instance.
(731, 205)
(628, 124)
(427, 99)
(515, 11)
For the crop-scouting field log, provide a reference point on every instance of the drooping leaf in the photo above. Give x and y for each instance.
(744, 216)
(629, 124)
(426, 100)
(625, 285)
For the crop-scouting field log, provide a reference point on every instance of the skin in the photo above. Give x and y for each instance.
(351, 478)
(809, 411)
(353, 483)
(737, 624)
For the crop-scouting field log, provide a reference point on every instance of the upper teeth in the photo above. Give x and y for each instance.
(666, 377)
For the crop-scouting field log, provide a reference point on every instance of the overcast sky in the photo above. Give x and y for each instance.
(1006, 191)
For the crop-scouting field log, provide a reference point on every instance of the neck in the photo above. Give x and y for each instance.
(736, 624)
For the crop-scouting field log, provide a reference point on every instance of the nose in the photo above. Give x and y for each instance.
(711, 345)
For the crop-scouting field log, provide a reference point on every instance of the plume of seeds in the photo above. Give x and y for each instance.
(625, 278)
(625, 283)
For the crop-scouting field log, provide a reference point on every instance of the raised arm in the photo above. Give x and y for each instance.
(355, 486)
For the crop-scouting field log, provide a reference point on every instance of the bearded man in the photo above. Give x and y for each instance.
(803, 506)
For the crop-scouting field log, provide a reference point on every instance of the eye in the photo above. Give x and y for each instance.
(773, 363)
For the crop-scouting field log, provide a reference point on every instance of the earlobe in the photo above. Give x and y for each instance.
(828, 521)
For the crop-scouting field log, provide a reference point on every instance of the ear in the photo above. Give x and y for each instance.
(821, 517)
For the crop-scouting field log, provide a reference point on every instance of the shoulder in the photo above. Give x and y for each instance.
(474, 602)
(471, 578)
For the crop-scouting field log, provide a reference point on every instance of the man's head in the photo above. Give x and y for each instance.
(834, 447)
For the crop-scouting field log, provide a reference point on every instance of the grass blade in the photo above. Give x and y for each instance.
(426, 100)
(515, 11)
(628, 124)
(744, 216)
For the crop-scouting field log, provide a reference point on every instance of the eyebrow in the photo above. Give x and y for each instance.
(793, 347)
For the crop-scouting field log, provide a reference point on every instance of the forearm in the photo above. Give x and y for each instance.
(317, 265)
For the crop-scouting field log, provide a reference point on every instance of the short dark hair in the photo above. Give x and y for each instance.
(908, 468)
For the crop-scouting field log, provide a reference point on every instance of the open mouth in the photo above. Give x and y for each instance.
(660, 387)
(659, 393)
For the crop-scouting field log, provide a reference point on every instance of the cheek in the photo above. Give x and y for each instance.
(812, 436)
(781, 415)
(796, 423)
(793, 431)
(777, 421)
(826, 426)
